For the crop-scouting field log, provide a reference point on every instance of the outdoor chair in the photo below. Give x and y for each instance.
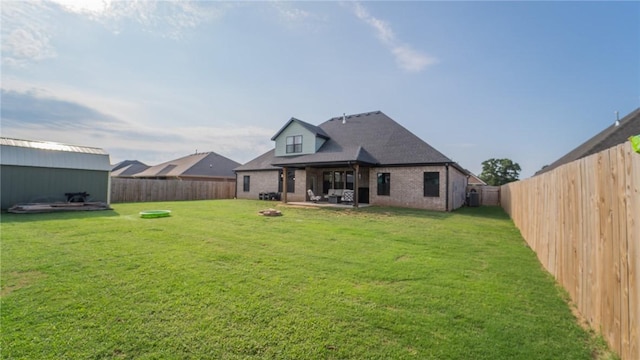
(347, 196)
(313, 197)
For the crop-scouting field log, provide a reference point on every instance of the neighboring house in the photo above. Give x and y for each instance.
(41, 171)
(379, 160)
(484, 194)
(616, 134)
(128, 168)
(474, 180)
(207, 166)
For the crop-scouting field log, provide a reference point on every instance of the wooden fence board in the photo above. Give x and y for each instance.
(633, 236)
(624, 164)
(146, 190)
(583, 222)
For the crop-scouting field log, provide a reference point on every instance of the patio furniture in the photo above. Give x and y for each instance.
(347, 196)
(313, 197)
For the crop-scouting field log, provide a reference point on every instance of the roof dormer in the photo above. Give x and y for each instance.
(298, 137)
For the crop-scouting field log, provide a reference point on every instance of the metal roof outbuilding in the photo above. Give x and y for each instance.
(42, 171)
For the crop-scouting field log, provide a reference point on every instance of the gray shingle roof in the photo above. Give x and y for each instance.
(207, 164)
(611, 136)
(128, 168)
(368, 138)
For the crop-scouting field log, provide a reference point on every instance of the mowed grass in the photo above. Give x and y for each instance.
(217, 281)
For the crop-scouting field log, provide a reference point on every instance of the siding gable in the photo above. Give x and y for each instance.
(310, 143)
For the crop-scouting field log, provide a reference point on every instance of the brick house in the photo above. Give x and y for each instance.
(368, 155)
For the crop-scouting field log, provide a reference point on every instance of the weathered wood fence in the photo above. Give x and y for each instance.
(583, 221)
(489, 195)
(143, 190)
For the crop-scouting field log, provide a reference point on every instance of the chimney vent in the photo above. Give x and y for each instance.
(344, 118)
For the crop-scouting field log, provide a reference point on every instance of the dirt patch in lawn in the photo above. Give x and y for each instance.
(17, 280)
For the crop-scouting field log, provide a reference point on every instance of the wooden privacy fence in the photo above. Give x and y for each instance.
(583, 221)
(143, 190)
(489, 195)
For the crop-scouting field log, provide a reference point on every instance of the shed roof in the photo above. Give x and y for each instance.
(35, 153)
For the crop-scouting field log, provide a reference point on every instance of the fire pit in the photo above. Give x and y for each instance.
(270, 212)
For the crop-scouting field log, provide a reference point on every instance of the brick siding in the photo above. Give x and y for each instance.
(407, 188)
(267, 181)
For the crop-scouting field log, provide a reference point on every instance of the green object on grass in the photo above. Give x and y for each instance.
(149, 214)
(635, 143)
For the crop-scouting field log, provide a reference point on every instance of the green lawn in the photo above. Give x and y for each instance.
(217, 281)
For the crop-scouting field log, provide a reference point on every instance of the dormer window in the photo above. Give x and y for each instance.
(294, 144)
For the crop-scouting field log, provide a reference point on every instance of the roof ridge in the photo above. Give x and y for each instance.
(366, 113)
(594, 144)
(49, 142)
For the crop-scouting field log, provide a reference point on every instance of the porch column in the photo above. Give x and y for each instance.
(284, 184)
(356, 184)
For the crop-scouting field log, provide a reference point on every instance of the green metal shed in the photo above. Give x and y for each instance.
(40, 171)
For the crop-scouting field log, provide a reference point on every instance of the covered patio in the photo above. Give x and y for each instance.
(339, 183)
(325, 204)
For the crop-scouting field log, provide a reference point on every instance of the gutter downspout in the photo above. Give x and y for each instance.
(446, 206)
(235, 190)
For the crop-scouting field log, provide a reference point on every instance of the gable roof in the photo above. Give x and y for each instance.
(208, 164)
(368, 138)
(128, 168)
(613, 135)
(474, 180)
(315, 130)
(19, 152)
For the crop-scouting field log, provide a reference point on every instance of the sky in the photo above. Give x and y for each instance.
(158, 80)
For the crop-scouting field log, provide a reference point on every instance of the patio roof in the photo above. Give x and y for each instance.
(348, 156)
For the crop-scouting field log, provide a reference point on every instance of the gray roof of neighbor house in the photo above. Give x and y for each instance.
(369, 138)
(208, 164)
(128, 168)
(52, 154)
(613, 135)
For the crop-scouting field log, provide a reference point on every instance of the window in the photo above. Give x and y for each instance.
(245, 183)
(432, 184)
(350, 180)
(294, 144)
(337, 180)
(384, 184)
(291, 181)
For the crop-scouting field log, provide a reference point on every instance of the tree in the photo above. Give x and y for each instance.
(496, 172)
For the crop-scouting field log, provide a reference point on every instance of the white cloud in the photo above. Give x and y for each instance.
(29, 27)
(26, 33)
(410, 60)
(169, 19)
(129, 127)
(407, 58)
(85, 6)
(289, 13)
